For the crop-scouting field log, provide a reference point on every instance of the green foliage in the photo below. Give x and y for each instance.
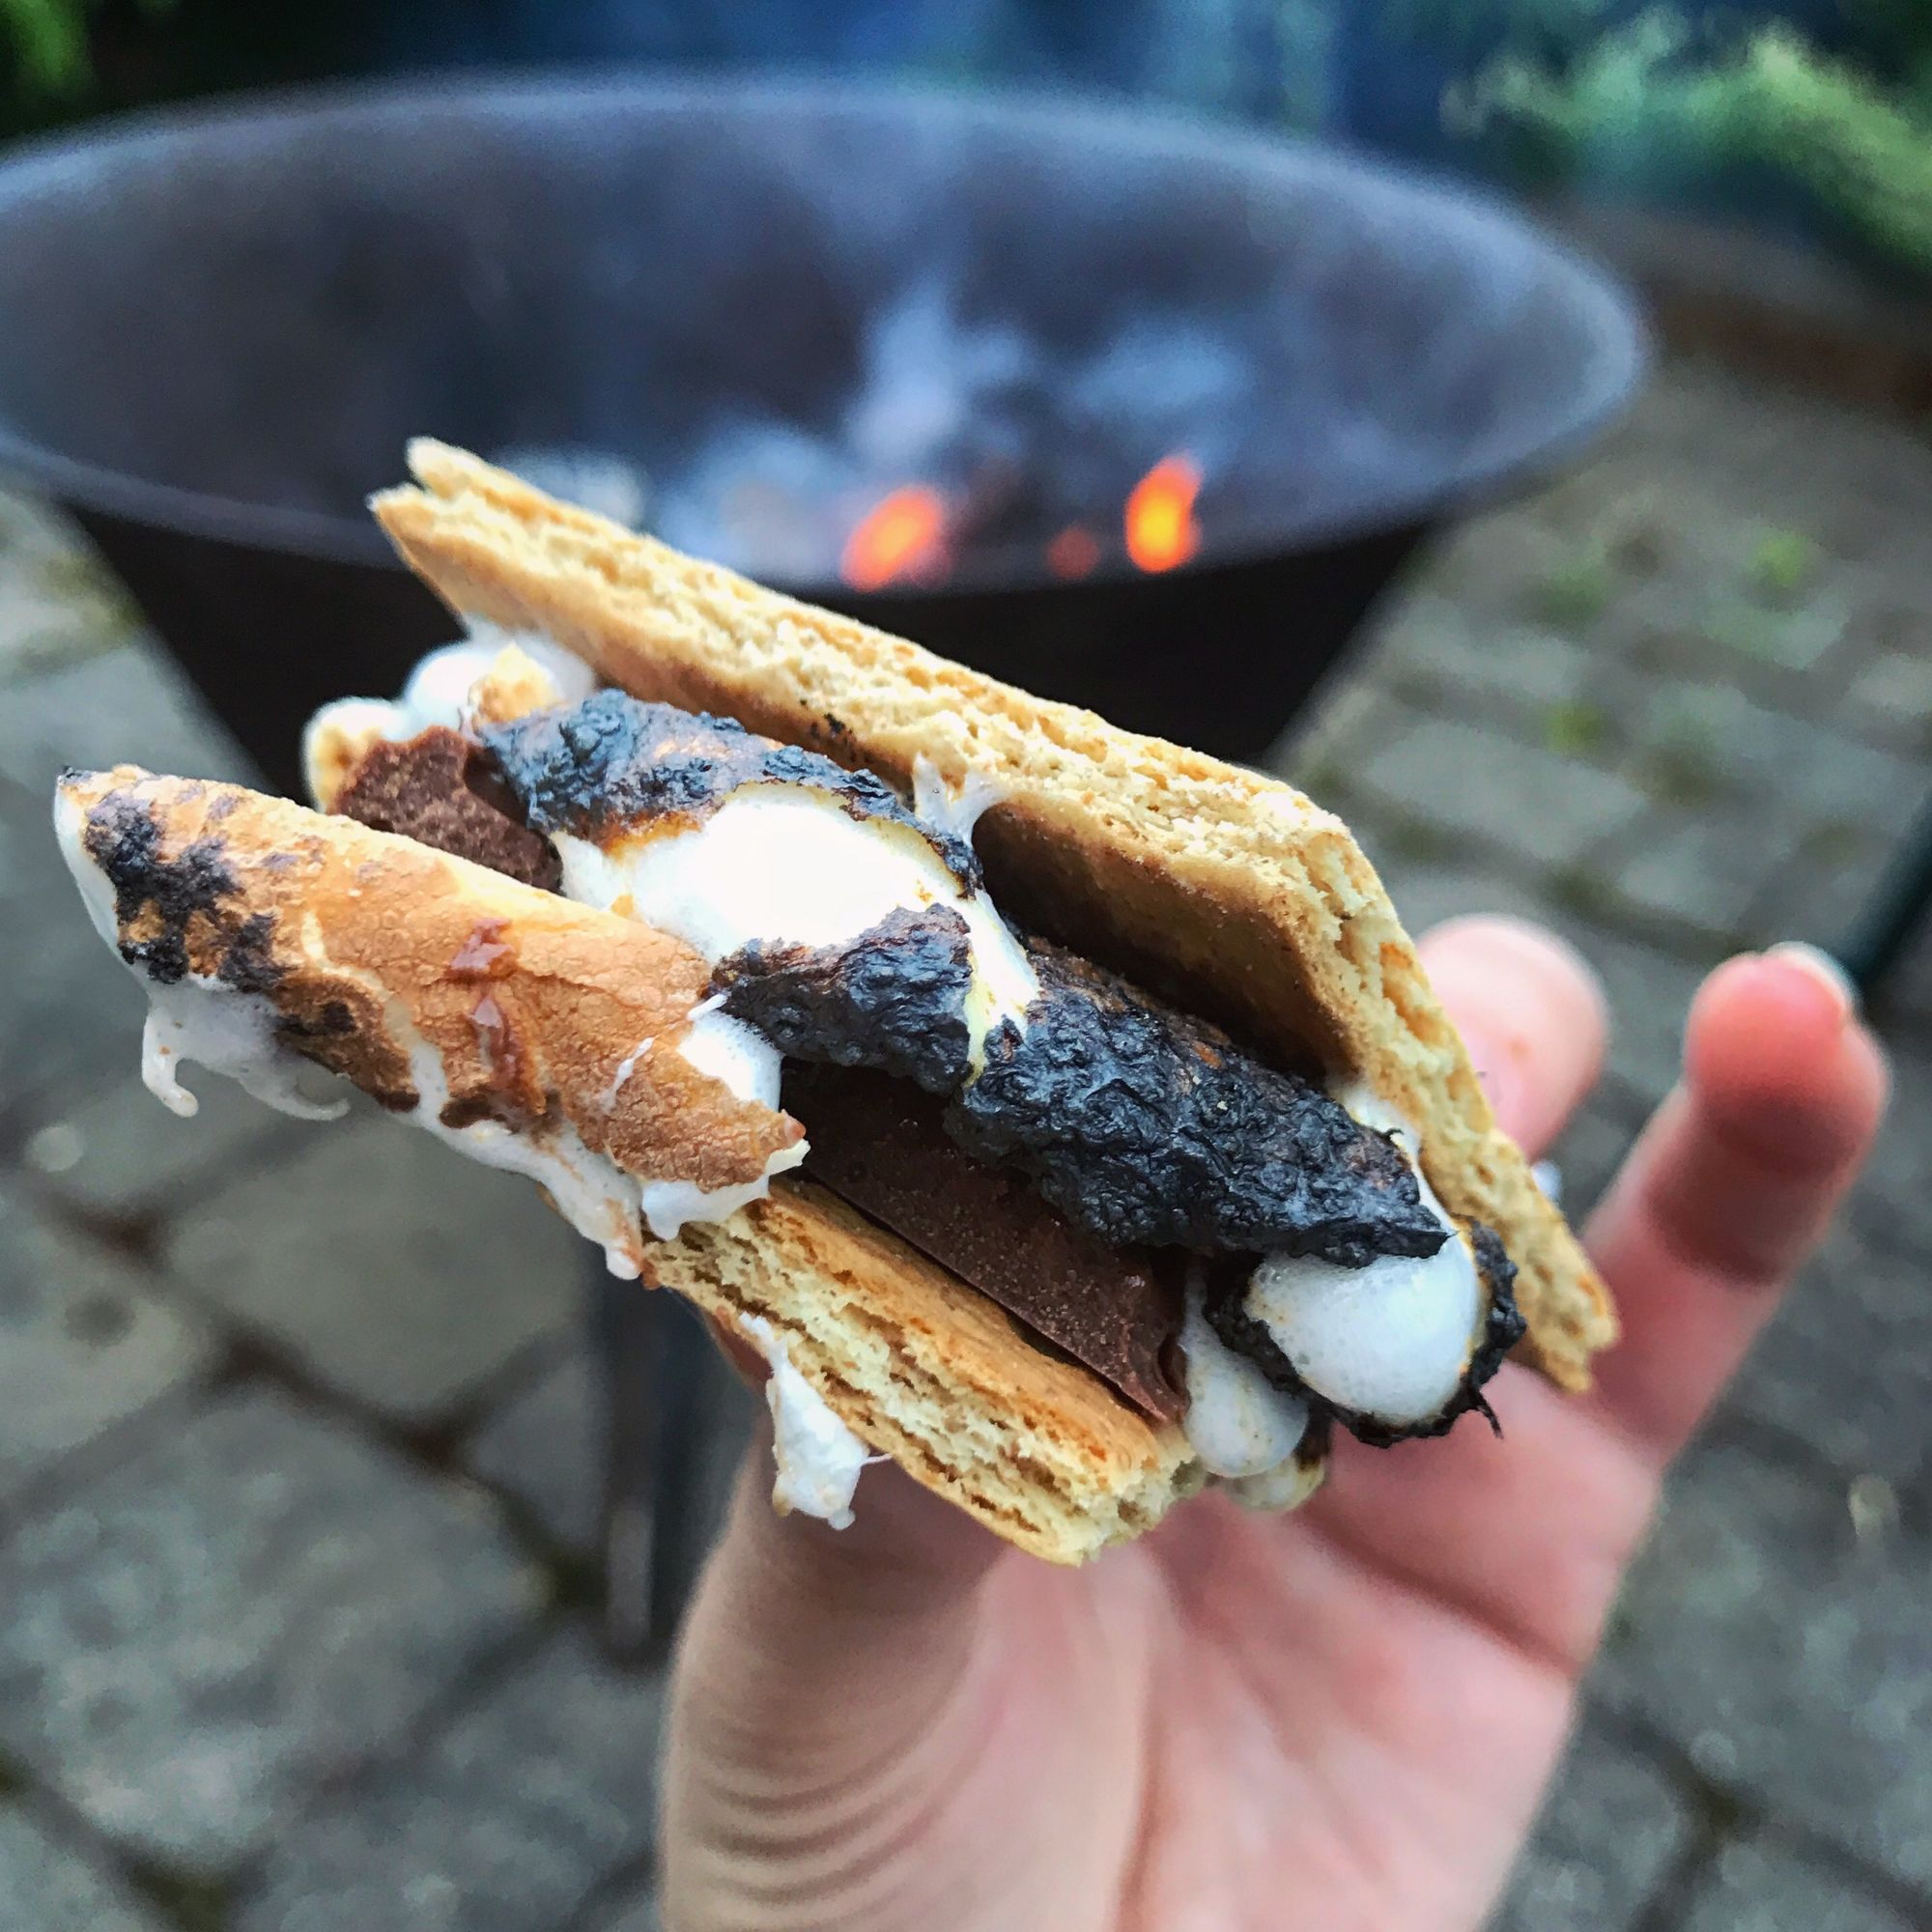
(49, 41)
(1653, 89)
(1578, 590)
(1573, 730)
(1784, 564)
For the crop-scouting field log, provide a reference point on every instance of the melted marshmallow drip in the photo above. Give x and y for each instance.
(1238, 1423)
(818, 1458)
(786, 865)
(591, 1192)
(199, 1020)
(668, 1205)
(946, 810)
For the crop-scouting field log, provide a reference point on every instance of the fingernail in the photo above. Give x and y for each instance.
(1822, 968)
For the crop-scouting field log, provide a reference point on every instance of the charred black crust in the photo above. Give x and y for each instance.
(123, 838)
(1503, 1327)
(247, 965)
(894, 1000)
(614, 761)
(1150, 1128)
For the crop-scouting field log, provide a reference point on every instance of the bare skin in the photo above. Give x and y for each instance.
(1341, 1718)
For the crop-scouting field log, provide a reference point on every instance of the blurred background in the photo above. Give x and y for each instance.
(1560, 517)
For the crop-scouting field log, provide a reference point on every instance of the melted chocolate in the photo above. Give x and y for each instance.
(896, 1000)
(1146, 1127)
(880, 1145)
(444, 789)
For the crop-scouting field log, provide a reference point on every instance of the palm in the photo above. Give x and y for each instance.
(1341, 1718)
(1304, 1709)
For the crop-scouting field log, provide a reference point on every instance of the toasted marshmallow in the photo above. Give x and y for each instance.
(789, 864)
(514, 671)
(1391, 1341)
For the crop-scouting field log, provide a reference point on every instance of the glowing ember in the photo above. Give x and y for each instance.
(1073, 553)
(901, 536)
(1161, 530)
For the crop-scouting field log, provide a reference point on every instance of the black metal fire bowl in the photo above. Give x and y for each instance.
(217, 329)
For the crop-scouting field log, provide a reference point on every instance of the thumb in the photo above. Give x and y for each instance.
(811, 1685)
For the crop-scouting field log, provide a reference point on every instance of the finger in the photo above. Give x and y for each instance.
(1732, 1184)
(1531, 1013)
(814, 1660)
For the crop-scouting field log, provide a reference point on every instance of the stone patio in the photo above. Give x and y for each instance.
(294, 1539)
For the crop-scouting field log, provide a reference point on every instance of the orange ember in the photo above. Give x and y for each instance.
(1161, 530)
(903, 535)
(1073, 553)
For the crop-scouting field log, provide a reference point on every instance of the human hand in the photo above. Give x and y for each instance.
(1342, 1717)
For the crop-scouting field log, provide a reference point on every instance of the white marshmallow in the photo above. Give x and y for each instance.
(783, 864)
(1238, 1423)
(818, 1458)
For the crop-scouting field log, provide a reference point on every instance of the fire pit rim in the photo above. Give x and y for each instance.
(1623, 340)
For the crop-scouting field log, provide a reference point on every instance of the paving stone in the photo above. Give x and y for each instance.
(128, 706)
(1892, 697)
(72, 1013)
(545, 1447)
(1454, 778)
(49, 1883)
(1426, 891)
(392, 1268)
(1704, 871)
(1824, 893)
(507, 1823)
(1610, 1829)
(1514, 671)
(1760, 1885)
(1592, 1149)
(47, 620)
(117, 1151)
(1894, 1202)
(83, 1344)
(1776, 1628)
(1649, 992)
(1348, 714)
(1492, 565)
(636, 1915)
(545, 1444)
(261, 1600)
(1697, 743)
(1847, 1364)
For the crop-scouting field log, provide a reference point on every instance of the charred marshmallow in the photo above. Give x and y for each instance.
(789, 864)
(194, 1019)
(1391, 1341)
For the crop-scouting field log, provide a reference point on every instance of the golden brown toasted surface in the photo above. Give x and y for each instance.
(932, 1374)
(371, 948)
(1224, 890)
(545, 1014)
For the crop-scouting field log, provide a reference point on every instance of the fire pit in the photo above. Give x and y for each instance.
(1128, 410)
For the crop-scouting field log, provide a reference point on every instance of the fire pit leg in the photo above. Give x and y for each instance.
(651, 1356)
(1895, 912)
